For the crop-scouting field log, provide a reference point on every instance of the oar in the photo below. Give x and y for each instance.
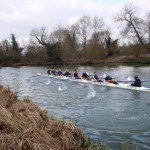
(130, 79)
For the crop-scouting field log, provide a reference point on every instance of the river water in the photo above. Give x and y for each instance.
(106, 114)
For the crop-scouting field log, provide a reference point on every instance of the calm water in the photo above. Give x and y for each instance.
(106, 114)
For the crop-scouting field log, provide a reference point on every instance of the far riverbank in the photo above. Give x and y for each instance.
(141, 59)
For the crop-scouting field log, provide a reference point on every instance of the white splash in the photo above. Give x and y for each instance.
(62, 87)
(59, 88)
(91, 93)
(48, 82)
(104, 75)
(128, 78)
(39, 74)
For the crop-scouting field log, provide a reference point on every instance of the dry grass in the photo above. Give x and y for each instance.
(24, 126)
(7, 98)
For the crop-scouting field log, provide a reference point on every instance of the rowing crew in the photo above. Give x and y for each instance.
(66, 73)
(75, 75)
(86, 76)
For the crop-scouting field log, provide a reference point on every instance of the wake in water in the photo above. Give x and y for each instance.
(91, 93)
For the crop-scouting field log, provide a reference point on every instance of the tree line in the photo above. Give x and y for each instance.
(88, 40)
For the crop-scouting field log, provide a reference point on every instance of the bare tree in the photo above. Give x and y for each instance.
(97, 36)
(147, 27)
(57, 35)
(73, 32)
(84, 30)
(5, 46)
(98, 30)
(70, 44)
(41, 36)
(133, 24)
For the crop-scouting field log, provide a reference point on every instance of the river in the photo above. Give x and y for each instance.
(106, 114)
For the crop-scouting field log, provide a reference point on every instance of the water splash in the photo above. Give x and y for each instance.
(59, 88)
(39, 74)
(62, 87)
(48, 82)
(91, 93)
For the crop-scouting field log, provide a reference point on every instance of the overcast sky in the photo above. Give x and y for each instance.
(21, 16)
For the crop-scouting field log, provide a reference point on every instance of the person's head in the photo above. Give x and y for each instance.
(94, 72)
(135, 77)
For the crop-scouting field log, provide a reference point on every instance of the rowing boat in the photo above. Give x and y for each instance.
(119, 85)
(124, 86)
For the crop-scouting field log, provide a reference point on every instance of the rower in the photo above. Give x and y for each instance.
(85, 76)
(49, 71)
(59, 73)
(54, 72)
(75, 75)
(96, 78)
(109, 79)
(137, 82)
(67, 73)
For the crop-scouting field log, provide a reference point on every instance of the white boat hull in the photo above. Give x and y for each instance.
(119, 85)
(123, 86)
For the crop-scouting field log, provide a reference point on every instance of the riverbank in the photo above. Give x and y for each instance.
(141, 59)
(23, 125)
(123, 59)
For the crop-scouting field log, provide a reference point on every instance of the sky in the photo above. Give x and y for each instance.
(21, 16)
